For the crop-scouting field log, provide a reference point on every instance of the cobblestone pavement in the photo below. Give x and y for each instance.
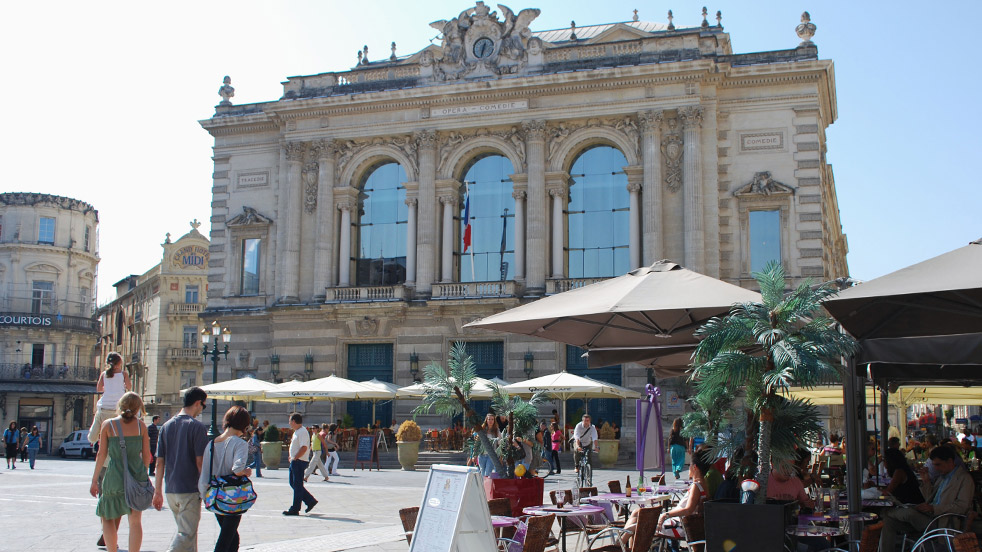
(51, 509)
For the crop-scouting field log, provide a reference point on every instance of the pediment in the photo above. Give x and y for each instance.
(618, 32)
(763, 184)
(249, 217)
(43, 268)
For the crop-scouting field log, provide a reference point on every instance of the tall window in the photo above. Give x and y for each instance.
(380, 230)
(249, 280)
(190, 337)
(83, 299)
(42, 296)
(190, 294)
(598, 237)
(86, 241)
(189, 378)
(46, 230)
(765, 238)
(491, 214)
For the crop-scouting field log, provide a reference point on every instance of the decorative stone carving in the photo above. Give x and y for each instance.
(310, 187)
(249, 217)
(629, 127)
(411, 202)
(671, 150)
(476, 43)
(408, 145)
(764, 184)
(226, 91)
(450, 143)
(634, 186)
(345, 150)
(295, 151)
(557, 134)
(650, 120)
(518, 194)
(514, 135)
(366, 326)
(806, 30)
(534, 130)
(424, 139)
(691, 116)
(324, 149)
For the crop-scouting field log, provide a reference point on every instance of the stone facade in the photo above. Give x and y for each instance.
(698, 126)
(49, 258)
(154, 323)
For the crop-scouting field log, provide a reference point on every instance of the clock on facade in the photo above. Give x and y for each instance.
(483, 47)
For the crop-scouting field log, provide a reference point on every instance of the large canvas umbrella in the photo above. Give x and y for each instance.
(565, 386)
(646, 310)
(241, 389)
(332, 388)
(385, 390)
(480, 390)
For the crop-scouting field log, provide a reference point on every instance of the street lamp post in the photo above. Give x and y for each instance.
(215, 354)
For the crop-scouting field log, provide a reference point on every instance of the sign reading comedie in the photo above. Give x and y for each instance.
(481, 108)
(759, 141)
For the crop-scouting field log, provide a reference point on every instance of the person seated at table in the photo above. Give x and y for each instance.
(967, 448)
(951, 494)
(803, 468)
(903, 483)
(932, 472)
(712, 476)
(670, 520)
(729, 488)
(783, 484)
(834, 448)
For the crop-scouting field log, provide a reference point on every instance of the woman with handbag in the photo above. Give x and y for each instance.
(124, 441)
(227, 455)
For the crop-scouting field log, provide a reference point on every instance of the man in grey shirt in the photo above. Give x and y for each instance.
(180, 446)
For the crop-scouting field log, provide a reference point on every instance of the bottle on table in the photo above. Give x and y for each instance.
(628, 492)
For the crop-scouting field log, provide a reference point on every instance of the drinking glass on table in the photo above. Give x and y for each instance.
(560, 497)
(576, 496)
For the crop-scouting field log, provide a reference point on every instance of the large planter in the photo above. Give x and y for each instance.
(607, 451)
(523, 492)
(408, 453)
(272, 452)
(745, 526)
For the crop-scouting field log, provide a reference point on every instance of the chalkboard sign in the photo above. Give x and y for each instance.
(366, 452)
(454, 515)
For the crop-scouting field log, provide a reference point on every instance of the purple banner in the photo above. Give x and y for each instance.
(650, 441)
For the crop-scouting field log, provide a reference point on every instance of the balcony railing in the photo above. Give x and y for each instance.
(191, 309)
(366, 294)
(474, 290)
(48, 321)
(17, 371)
(182, 353)
(560, 285)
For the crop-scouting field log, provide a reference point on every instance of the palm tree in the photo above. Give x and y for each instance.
(768, 347)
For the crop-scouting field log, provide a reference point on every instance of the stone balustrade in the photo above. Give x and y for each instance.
(559, 285)
(468, 290)
(366, 294)
(190, 309)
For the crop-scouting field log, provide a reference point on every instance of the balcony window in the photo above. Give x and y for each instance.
(598, 215)
(490, 209)
(249, 281)
(46, 230)
(191, 294)
(380, 230)
(190, 337)
(42, 296)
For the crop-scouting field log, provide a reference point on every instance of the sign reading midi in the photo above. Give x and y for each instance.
(25, 320)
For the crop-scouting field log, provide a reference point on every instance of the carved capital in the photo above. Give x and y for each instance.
(425, 138)
(346, 204)
(534, 130)
(295, 150)
(411, 201)
(448, 199)
(650, 120)
(691, 116)
(634, 187)
(518, 194)
(324, 149)
(557, 192)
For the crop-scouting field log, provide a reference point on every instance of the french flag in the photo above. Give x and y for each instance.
(467, 222)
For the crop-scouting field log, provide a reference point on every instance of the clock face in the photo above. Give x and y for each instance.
(483, 48)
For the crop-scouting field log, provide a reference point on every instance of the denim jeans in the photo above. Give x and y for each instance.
(484, 462)
(300, 494)
(257, 463)
(32, 454)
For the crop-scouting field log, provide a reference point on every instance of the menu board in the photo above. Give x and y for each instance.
(366, 452)
(454, 513)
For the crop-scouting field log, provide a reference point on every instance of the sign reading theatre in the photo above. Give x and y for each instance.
(191, 256)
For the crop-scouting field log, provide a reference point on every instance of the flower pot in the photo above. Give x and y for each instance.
(272, 451)
(607, 450)
(408, 452)
(523, 492)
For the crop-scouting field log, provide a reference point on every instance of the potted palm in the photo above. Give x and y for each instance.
(765, 348)
(272, 447)
(448, 394)
(407, 441)
(607, 446)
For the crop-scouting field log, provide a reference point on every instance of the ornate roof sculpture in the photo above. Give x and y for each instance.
(249, 217)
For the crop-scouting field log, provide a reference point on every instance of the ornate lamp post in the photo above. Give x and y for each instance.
(215, 353)
(414, 366)
(529, 364)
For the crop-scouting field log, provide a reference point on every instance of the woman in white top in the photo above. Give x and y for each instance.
(231, 456)
(113, 382)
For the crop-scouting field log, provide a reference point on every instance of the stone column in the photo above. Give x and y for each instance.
(651, 206)
(449, 203)
(347, 203)
(635, 175)
(519, 193)
(535, 142)
(426, 232)
(558, 196)
(411, 240)
(694, 225)
(324, 242)
(289, 277)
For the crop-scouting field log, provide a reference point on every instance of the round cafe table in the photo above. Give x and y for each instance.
(821, 518)
(565, 511)
(621, 498)
(504, 521)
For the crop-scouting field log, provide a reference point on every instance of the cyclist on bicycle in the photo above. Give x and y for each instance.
(584, 434)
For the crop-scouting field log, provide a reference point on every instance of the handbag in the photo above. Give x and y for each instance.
(228, 495)
(139, 494)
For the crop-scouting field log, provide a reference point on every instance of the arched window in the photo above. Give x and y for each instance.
(490, 255)
(598, 220)
(380, 229)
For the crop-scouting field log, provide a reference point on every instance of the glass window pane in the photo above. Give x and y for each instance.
(489, 208)
(46, 230)
(598, 221)
(380, 231)
(765, 238)
(250, 266)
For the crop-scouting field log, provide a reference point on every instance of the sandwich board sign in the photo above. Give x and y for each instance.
(454, 515)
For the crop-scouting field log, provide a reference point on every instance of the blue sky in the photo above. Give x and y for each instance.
(102, 102)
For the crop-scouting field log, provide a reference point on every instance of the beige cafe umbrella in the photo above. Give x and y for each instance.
(242, 389)
(480, 390)
(654, 310)
(565, 386)
(332, 388)
(386, 390)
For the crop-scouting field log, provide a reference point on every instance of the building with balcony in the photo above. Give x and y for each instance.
(49, 258)
(153, 322)
(360, 220)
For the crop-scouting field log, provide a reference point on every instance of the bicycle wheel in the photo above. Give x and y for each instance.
(586, 475)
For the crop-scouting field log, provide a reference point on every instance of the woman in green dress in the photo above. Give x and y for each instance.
(112, 499)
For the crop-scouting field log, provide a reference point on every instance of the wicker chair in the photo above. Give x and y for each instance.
(500, 506)
(588, 491)
(567, 494)
(614, 486)
(695, 532)
(658, 479)
(408, 517)
(644, 533)
(537, 534)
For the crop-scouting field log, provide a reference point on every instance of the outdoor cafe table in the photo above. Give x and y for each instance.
(499, 522)
(565, 511)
